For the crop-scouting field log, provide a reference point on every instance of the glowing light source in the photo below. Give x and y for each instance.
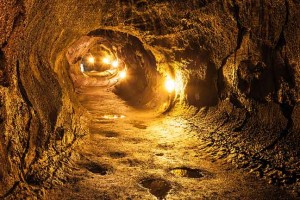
(170, 84)
(122, 74)
(115, 63)
(81, 67)
(106, 60)
(91, 60)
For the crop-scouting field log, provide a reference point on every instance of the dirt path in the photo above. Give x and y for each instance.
(130, 155)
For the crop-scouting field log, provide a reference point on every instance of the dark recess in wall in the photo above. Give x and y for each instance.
(3, 73)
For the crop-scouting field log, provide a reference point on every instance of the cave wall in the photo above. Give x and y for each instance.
(240, 58)
(39, 122)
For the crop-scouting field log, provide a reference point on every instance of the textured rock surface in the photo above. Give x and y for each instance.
(239, 59)
(38, 121)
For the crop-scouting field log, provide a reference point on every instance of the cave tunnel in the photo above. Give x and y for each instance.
(143, 99)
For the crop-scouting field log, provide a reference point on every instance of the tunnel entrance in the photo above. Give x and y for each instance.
(119, 61)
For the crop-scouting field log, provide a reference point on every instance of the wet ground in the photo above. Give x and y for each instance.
(132, 154)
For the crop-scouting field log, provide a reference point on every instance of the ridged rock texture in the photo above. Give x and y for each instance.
(239, 62)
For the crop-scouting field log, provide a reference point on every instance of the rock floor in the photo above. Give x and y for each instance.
(133, 155)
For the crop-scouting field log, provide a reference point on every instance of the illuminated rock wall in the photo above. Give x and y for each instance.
(239, 58)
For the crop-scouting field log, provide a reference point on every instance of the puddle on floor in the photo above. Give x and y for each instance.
(103, 121)
(187, 172)
(117, 154)
(157, 187)
(110, 134)
(140, 126)
(109, 117)
(97, 169)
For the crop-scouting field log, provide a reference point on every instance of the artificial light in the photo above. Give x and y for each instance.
(122, 74)
(91, 60)
(106, 60)
(115, 63)
(170, 84)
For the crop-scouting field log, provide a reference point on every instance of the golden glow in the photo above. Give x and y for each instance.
(91, 60)
(170, 84)
(106, 60)
(115, 63)
(81, 67)
(122, 74)
(113, 116)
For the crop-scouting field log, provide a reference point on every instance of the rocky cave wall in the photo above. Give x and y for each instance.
(239, 61)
